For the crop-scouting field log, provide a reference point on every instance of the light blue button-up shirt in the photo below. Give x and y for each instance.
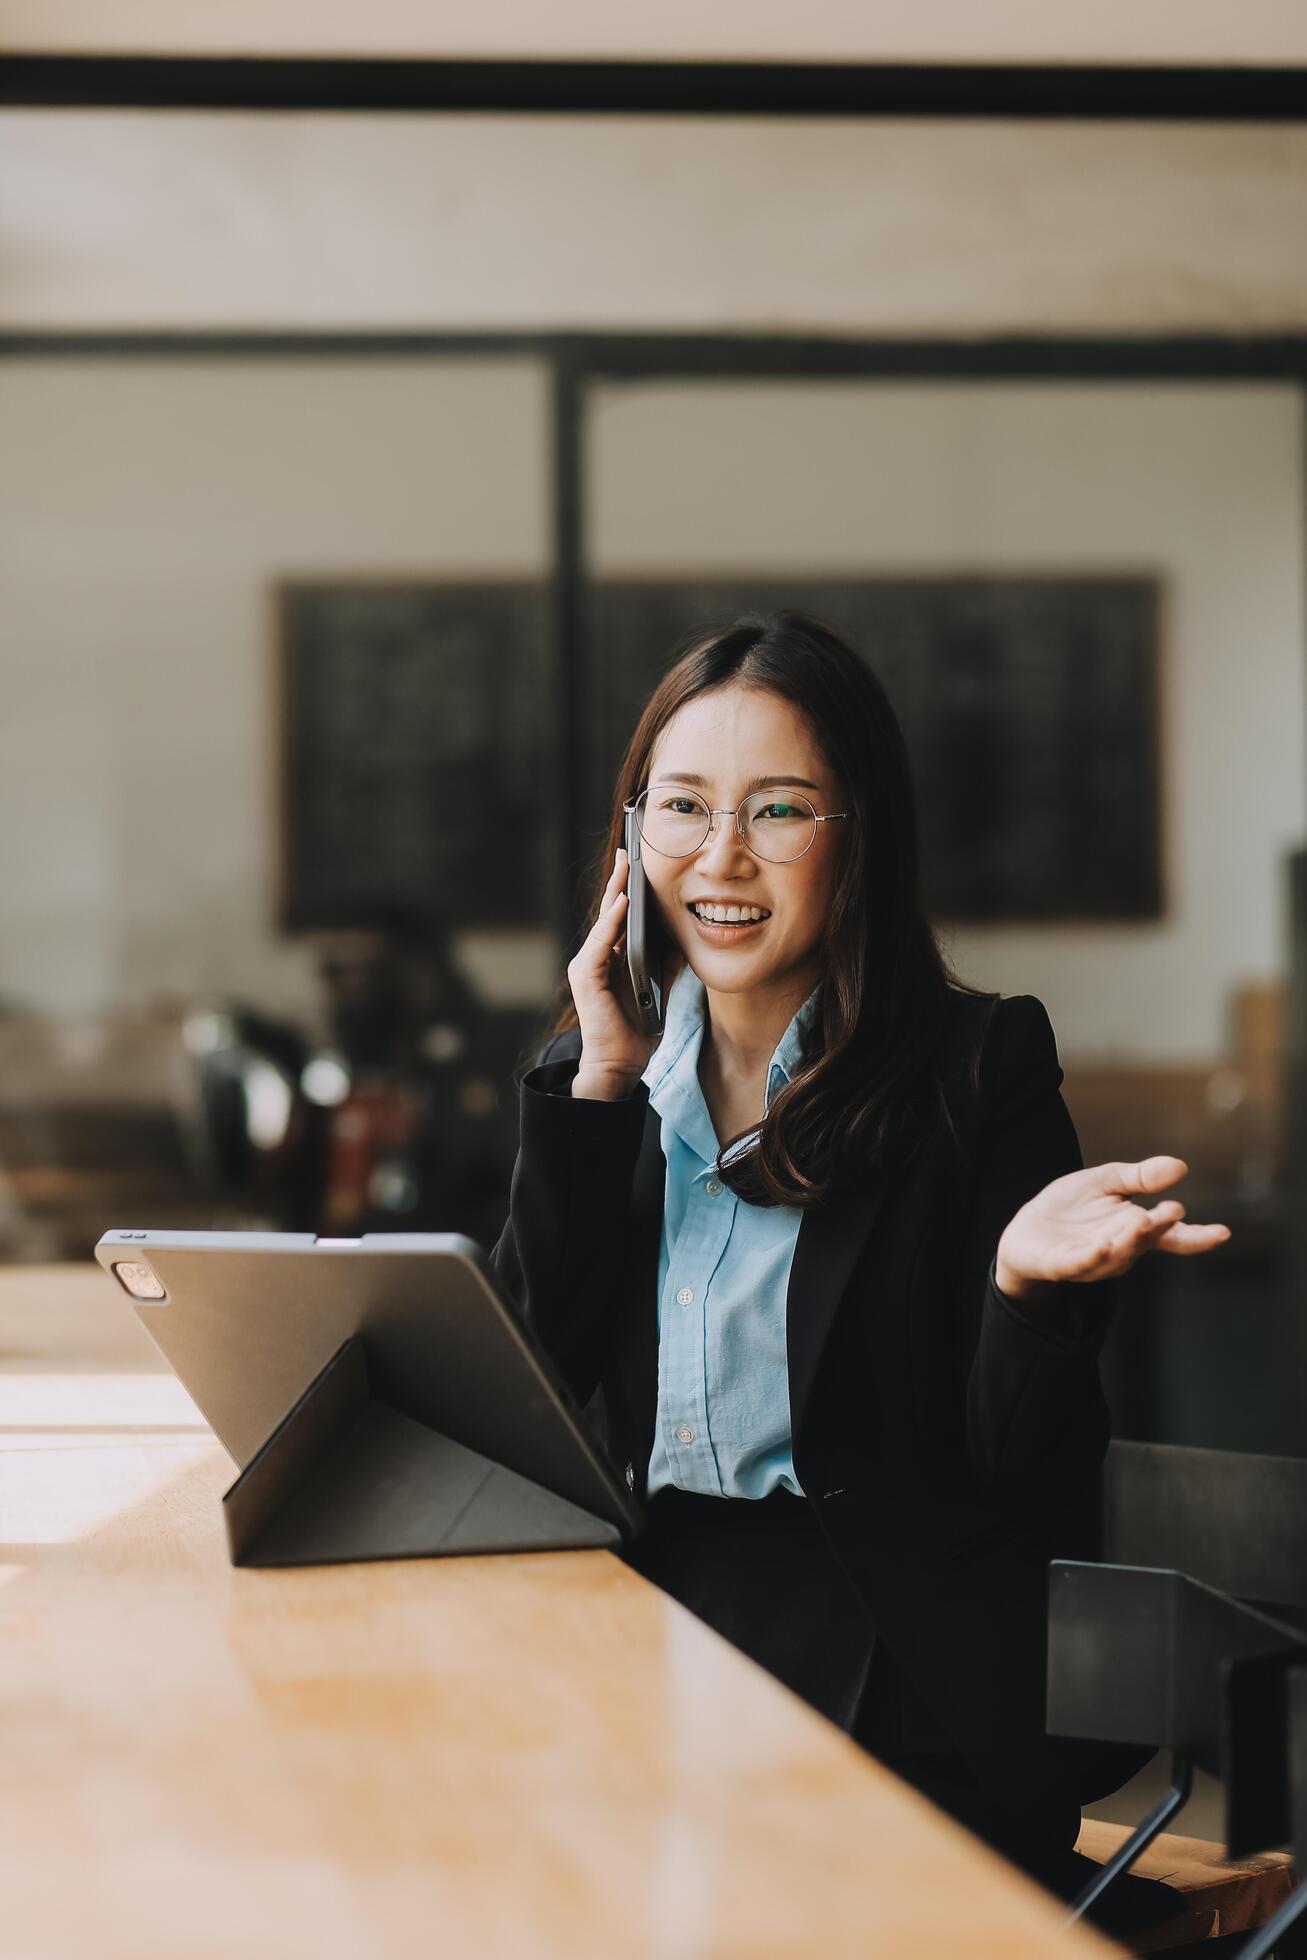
(723, 1423)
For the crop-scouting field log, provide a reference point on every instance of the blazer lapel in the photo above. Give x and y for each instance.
(637, 1329)
(829, 1244)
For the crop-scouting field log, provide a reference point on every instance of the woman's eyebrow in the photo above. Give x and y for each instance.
(755, 782)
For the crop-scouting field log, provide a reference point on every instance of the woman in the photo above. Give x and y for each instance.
(827, 1245)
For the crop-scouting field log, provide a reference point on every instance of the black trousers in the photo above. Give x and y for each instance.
(762, 1574)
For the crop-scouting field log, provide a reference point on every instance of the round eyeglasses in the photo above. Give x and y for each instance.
(775, 824)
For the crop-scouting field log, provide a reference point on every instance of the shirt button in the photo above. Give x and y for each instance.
(714, 1187)
(630, 1476)
(685, 1434)
(685, 1296)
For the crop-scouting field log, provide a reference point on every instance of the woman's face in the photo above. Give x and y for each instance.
(716, 745)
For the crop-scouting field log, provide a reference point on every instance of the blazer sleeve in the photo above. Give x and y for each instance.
(559, 1258)
(1036, 1419)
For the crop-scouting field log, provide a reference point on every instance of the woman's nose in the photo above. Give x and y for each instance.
(723, 827)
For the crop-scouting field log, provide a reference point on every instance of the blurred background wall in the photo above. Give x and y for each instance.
(1197, 31)
(138, 792)
(483, 221)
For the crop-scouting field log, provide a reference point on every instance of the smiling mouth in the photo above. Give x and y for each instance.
(727, 928)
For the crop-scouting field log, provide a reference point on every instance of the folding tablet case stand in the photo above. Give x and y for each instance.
(343, 1477)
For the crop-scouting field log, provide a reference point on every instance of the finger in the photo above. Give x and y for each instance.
(1148, 1174)
(1134, 1232)
(1134, 1225)
(1149, 1218)
(1162, 1216)
(612, 917)
(1186, 1239)
(598, 942)
(1119, 1250)
(1150, 1232)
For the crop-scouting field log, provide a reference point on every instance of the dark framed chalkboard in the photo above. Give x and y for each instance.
(1029, 705)
(415, 727)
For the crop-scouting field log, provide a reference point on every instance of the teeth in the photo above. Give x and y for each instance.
(730, 914)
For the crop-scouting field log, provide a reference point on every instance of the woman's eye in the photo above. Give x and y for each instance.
(686, 809)
(770, 809)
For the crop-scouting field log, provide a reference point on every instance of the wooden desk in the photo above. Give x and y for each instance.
(524, 1755)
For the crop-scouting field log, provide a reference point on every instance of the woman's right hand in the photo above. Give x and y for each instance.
(614, 1049)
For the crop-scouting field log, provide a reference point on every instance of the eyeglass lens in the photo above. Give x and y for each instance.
(676, 822)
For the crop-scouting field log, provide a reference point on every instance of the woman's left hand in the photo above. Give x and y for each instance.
(1084, 1227)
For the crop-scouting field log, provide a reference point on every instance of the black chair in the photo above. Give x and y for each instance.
(1267, 1791)
(1237, 1523)
(1141, 1655)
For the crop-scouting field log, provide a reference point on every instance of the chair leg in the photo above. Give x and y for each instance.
(1263, 1941)
(1182, 1777)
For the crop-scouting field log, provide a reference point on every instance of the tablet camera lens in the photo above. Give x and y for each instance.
(138, 1280)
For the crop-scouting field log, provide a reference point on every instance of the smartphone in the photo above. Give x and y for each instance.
(639, 907)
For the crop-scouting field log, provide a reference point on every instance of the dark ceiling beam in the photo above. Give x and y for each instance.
(1039, 91)
(710, 356)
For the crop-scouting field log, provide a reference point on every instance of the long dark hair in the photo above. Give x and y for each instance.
(869, 1085)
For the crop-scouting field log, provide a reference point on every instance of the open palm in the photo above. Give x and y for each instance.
(1085, 1226)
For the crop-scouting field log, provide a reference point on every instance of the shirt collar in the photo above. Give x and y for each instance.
(788, 1054)
(672, 1072)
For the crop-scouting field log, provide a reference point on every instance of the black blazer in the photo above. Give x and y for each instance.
(950, 1440)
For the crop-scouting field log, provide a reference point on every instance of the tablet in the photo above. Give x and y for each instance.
(380, 1396)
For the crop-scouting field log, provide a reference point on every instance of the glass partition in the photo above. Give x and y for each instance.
(278, 879)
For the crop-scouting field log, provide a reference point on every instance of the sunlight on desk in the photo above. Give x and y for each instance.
(143, 1431)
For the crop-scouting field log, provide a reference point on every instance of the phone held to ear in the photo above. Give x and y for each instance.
(648, 992)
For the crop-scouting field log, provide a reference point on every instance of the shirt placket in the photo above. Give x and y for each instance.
(687, 1425)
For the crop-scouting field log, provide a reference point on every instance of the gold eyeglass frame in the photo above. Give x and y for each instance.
(632, 809)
